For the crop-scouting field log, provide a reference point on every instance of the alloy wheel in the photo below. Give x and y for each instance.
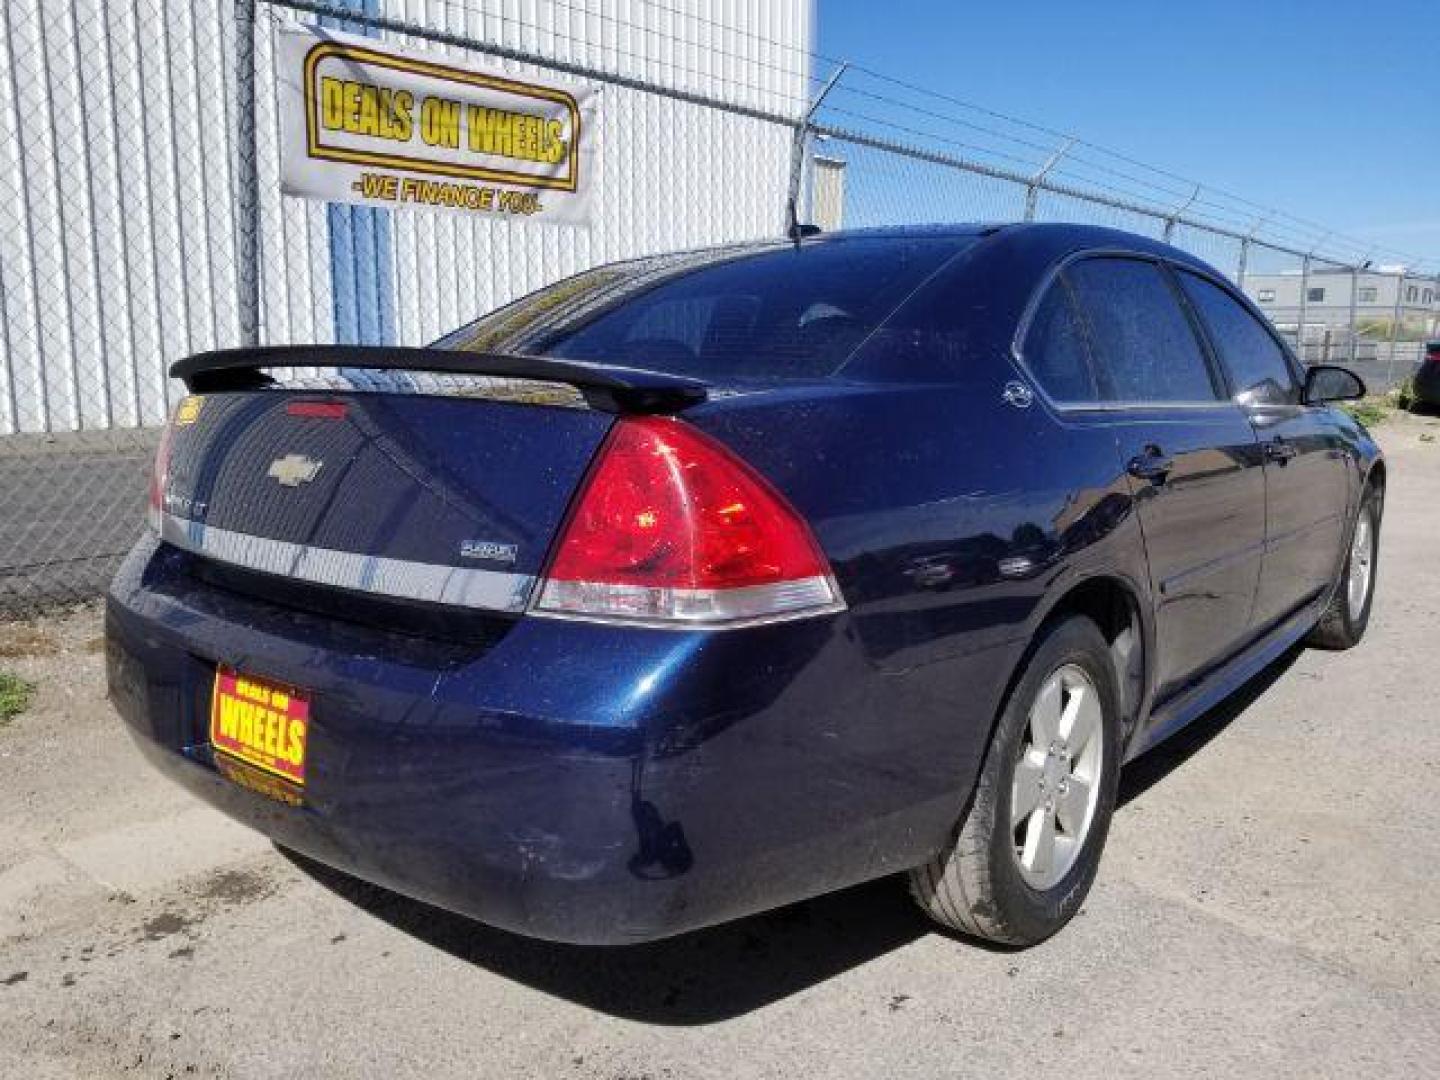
(1362, 565)
(1057, 776)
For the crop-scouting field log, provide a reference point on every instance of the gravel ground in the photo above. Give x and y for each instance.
(1267, 907)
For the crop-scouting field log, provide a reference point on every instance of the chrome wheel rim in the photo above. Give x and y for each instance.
(1362, 565)
(1057, 777)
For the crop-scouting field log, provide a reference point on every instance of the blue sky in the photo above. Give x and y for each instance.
(1329, 108)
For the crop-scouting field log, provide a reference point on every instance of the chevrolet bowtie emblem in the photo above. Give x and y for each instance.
(292, 470)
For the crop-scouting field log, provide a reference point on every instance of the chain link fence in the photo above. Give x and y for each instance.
(141, 217)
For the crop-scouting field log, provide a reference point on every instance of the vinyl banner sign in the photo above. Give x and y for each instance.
(363, 122)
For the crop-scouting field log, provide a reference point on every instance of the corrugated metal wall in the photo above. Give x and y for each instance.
(116, 245)
(117, 229)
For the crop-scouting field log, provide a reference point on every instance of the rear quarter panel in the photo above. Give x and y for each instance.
(953, 522)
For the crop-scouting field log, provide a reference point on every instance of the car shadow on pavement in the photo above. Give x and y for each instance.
(701, 977)
(726, 971)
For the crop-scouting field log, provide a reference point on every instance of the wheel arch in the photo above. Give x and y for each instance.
(1117, 605)
(1114, 605)
(1376, 475)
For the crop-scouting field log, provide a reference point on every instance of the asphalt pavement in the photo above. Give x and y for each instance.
(1268, 906)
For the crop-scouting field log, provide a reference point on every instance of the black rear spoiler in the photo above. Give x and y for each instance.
(611, 389)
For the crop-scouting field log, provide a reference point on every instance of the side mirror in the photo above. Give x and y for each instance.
(1325, 382)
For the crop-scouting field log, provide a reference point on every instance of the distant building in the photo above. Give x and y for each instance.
(1326, 303)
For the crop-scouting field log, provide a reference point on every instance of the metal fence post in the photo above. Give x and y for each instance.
(1033, 186)
(1175, 214)
(1245, 242)
(1304, 296)
(247, 177)
(1394, 330)
(1354, 300)
(797, 153)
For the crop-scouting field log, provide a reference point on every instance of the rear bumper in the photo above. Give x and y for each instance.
(567, 781)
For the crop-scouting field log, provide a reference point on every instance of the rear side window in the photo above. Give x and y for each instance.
(1256, 363)
(766, 313)
(1142, 343)
(1055, 350)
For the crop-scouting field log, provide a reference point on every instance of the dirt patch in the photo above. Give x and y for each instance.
(165, 924)
(25, 640)
(235, 886)
(201, 899)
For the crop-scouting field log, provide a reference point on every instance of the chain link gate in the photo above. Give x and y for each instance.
(141, 217)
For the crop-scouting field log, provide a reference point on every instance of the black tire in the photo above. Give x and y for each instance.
(975, 885)
(1340, 627)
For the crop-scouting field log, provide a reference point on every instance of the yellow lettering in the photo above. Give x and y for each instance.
(555, 148)
(440, 122)
(368, 121)
(245, 732)
(295, 751)
(400, 106)
(229, 721)
(332, 106)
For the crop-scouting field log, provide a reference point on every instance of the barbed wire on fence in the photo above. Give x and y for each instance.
(143, 218)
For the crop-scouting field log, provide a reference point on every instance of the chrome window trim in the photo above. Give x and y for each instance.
(405, 579)
(1221, 405)
(1166, 265)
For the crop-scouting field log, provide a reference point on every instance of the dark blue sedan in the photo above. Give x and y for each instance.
(699, 584)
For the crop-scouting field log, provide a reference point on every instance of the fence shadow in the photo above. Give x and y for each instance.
(726, 971)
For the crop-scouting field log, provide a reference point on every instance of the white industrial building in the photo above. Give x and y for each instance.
(1326, 296)
(118, 179)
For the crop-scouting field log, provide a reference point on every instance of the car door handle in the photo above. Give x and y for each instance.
(1154, 464)
(1278, 450)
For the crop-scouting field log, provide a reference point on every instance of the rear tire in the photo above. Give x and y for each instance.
(1056, 745)
(1348, 614)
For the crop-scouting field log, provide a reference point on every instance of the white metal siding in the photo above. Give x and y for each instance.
(117, 225)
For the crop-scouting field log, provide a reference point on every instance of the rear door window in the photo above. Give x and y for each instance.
(1258, 369)
(1055, 351)
(1144, 347)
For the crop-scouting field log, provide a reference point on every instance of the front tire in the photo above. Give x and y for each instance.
(1027, 851)
(1348, 613)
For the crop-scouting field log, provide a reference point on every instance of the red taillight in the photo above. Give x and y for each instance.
(671, 526)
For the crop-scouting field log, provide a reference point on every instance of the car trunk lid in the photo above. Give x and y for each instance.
(390, 479)
(441, 499)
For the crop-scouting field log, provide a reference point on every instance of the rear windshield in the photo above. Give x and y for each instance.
(725, 315)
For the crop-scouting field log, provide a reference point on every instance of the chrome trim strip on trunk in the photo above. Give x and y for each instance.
(460, 586)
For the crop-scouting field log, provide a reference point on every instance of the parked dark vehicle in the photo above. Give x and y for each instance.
(696, 585)
(1427, 378)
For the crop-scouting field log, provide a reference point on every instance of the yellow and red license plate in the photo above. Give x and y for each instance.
(262, 723)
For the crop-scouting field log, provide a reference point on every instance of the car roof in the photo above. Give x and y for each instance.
(1058, 237)
(1035, 244)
